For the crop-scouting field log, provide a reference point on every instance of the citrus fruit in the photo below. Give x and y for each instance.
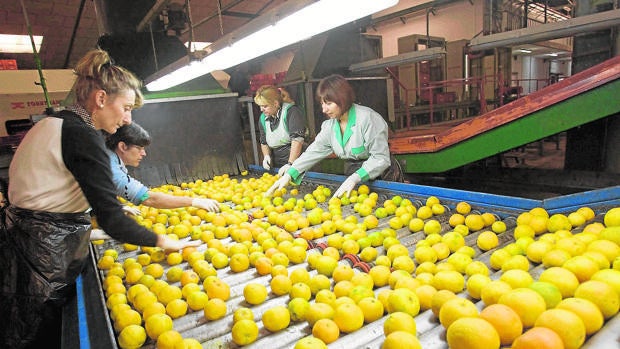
(562, 278)
(176, 308)
(401, 340)
(215, 309)
(348, 317)
(297, 308)
(550, 293)
(456, 308)
(538, 338)
(470, 333)
(399, 321)
(243, 313)
(588, 312)
(487, 240)
(317, 311)
(254, 293)
(527, 303)
(601, 294)
(276, 318)
(132, 337)
(506, 322)
(169, 340)
(310, 342)
(566, 324)
(326, 330)
(404, 300)
(157, 324)
(244, 331)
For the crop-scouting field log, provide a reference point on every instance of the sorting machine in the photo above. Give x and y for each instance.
(87, 324)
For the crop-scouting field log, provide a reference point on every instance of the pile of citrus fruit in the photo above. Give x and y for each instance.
(338, 264)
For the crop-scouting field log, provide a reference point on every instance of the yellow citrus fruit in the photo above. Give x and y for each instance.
(297, 308)
(176, 308)
(506, 322)
(474, 222)
(300, 290)
(399, 321)
(280, 285)
(601, 294)
(197, 300)
(125, 318)
(439, 298)
(537, 338)
(276, 318)
(487, 240)
(612, 217)
(348, 317)
(380, 275)
(456, 308)
(326, 330)
(154, 308)
(456, 219)
(537, 250)
(132, 337)
(169, 340)
(562, 278)
(317, 311)
(582, 266)
(216, 288)
(449, 280)
(470, 333)
(401, 340)
(566, 324)
(498, 257)
(463, 208)
(550, 293)
(215, 309)
(157, 324)
(310, 342)
(555, 258)
(425, 295)
(405, 300)
(608, 248)
(254, 293)
(372, 309)
(527, 303)
(517, 278)
(476, 267)
(244, 331)
(475, 283)
(588, 312)
(493, 291)
(243, 313)
(516, 262)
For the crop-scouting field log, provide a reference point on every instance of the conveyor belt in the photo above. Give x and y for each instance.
(216, 334)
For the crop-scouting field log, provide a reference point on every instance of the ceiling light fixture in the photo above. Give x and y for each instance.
(522, 50)
(10, 43)
(197, 45)
(286, 24)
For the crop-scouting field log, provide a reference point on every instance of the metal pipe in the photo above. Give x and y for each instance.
(73, 33)
(37, 61)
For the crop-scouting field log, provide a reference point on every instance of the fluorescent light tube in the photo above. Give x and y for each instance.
(316, 18)
(19, 43)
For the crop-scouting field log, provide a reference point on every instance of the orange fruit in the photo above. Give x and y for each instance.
(317, 311)
(527, 303)
(564, 279)
(157, 324)
(132, 337)
(348, 317)
(566, 324)
(517, 278)
(538, 338)
(456, 308)
(254, 293)
(506, 322)
(399, 321)
(401, 340)
(215, 309)
(372, 309)
(280, 285)
(601, 294)
(310, 342)
(405, 300)
(169, 340)
(588, 312)
(216, 288)
(439, 298)
(276, 318)
(582, 266)
(326, 330)
(244, 332)
(472, 333)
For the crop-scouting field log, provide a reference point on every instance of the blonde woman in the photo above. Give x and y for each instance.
(59, 173)
(282, 128)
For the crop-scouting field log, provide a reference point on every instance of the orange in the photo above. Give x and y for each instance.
(550, 292)
(555, 258)
(601, 294)
(405, 300)
(506, 322)
(349, 317)
(439, 298)
(609, 276)
(588, 312)
(538, 338)
(176, 308)
(564, 279)
(317, 311)
(125, 318)
(215, 309)
(197, 300)
(132, 337)
(372, 308)
(169, 340)
(401, 340)
(475, 283)
(254, 293)
(456, 308)
(582, 266)
(216, 288)
(517, 278)
(425, 295)
(399, 321)
(244, 332)
(157, 324)
(310, 342)
(243, 313)
(449, 280)
(566, 324)
(474, 222)
(470, 333)
(527, 303)
(609, 248)
(297, 308)
(326, 330)
(280, 285)
(276, 318)
(463, 208)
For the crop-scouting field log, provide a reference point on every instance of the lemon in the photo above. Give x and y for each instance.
(157, 324)
(487, 240)
(132, 337)
(255, 293)
(244, 331)
(276, 318)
